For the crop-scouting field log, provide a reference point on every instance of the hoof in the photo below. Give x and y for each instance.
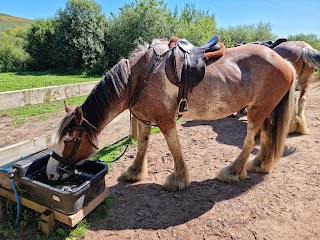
(174, 183)
(299, 126)
(133, 174)
(228, 175)
(257, 167)
(302, 129)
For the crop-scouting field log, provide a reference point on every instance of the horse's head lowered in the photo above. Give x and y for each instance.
(76, 142)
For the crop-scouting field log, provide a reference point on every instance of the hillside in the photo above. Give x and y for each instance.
(7, 21)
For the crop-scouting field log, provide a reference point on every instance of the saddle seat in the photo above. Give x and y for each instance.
(272, 44)
(185, 67)
(210, 46)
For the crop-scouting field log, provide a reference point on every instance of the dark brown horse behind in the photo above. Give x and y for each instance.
(243, 76)
(305, 60)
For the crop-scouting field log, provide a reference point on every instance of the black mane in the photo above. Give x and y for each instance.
(107, 92)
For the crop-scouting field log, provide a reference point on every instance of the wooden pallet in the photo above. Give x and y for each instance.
(48, 216)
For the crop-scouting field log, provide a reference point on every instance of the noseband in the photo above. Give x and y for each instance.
(69, 161)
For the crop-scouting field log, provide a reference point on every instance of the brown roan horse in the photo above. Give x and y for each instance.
(249, 75)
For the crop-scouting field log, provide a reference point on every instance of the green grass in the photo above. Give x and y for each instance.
(18, 81)
(108, 154)
(29, 224)
(38, 112)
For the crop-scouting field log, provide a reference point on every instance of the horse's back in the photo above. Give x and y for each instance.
(249, 61)
(244, 75)
(291, 50)
(293, 44)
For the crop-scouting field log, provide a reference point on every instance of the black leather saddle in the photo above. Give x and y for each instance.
(185, 67)
(269, 44)
(272, 44)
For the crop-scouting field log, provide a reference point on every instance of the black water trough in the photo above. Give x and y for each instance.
(66, 196)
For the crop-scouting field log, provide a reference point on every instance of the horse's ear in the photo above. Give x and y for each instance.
(67, 107)
(78, 116)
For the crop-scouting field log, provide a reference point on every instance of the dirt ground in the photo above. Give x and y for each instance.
(284, 204)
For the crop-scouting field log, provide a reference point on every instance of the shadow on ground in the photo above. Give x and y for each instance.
(149, 206)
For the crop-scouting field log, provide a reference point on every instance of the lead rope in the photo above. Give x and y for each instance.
(127, 143)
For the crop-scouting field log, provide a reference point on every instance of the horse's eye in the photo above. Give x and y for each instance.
(67, 141)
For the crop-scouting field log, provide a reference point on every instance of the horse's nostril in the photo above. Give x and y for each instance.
(51, 176)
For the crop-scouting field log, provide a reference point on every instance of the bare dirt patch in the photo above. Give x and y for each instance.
(284, 204)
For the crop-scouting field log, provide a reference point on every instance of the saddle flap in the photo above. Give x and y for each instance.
(183, 65)
(196, 64)
(173, 67)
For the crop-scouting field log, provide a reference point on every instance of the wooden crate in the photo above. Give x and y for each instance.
(48, 216)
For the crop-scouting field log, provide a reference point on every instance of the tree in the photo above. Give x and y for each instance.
(74, 39)
(311, 39)
(41, 44)
(246, 33)
(194, 25)
(145, 20)
(12, 54)
(81, 35)
(136, 23)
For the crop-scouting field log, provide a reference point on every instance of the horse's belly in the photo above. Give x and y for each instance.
(211, 101)
(210, 111)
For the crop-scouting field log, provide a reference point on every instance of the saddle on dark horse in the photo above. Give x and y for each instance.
(272, 44)
(185, 67)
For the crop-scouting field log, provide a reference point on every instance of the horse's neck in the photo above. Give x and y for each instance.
(106, 101)
(99, 119)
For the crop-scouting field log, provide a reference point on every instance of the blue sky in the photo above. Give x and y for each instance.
(286, 16)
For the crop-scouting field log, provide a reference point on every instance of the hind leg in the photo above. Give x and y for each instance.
(179, 179)
(302, 127)
(299, 123)
(263, 161)
(237, 170)
(138, 169)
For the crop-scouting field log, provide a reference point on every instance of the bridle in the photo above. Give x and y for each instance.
(68, 163)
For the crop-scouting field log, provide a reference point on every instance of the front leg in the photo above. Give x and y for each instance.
(138, 170)
(179, 179)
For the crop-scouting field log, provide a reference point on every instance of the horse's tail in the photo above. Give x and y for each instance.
(276, 126)
(311, 57)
